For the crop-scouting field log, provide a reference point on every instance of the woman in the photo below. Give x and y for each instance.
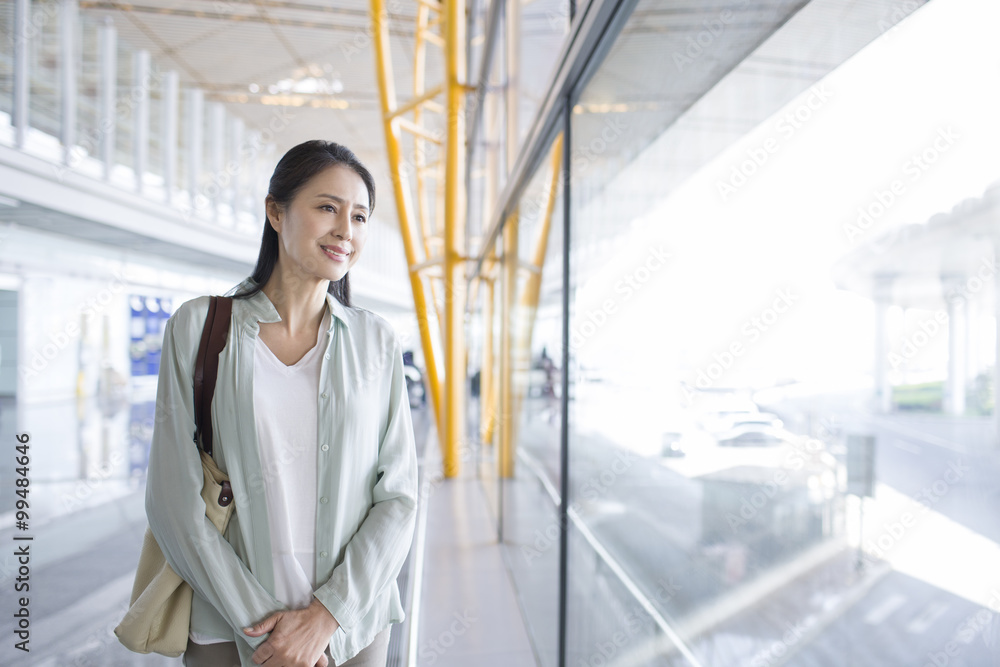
(311, 423)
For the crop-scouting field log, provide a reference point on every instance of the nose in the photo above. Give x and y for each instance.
(343, 229)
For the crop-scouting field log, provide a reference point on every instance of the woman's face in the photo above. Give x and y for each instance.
(323, 229)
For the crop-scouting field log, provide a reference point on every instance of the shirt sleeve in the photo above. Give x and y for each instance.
(191, 544)
(375, 554)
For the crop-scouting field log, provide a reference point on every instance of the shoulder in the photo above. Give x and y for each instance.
(371, 326)
(189, 319)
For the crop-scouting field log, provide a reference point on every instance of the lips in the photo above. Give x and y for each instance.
(335, 252)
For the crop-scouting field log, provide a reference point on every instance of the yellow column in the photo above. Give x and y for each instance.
(387, 96)
(454, 225)
(508, 326)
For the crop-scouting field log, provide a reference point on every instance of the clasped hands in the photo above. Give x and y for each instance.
(298, 636)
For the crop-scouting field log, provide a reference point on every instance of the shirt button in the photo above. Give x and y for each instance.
(323, 395)
(322, 554)
(323, 500)
(326, 356)
(325, 447)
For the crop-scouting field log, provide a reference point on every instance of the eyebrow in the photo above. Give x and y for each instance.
(341, 200)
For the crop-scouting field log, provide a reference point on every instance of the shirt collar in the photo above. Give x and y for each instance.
(262, 308)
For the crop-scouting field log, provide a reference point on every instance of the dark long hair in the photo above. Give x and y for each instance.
(294, 170)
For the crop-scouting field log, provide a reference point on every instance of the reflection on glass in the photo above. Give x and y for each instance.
(783, 340)
(527, 496)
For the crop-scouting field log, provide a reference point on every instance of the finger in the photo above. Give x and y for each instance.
(264, 626)
(262, 654)
(322, 662)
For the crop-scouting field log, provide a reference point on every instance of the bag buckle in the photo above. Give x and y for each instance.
(226, 495)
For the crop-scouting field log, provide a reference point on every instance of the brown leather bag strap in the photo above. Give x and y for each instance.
(206, 371)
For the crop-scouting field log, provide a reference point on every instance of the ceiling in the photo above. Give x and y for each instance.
(266, 59)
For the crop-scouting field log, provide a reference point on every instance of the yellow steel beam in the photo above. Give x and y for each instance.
(454, 224)
(528, 307)
(427, 231)
(486, 394)
(489, 392)
(418, 130)
(507, 315)
(420, 100)
(387, 97)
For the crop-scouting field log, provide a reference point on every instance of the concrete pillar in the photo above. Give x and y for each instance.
(235, 165)
(170, 99)
(883, 299)
(954, 393)
(217, 157)
(109, 94)
(140, 116)
(972, 323)
(194, 120)
(22, 44)
(69, 57)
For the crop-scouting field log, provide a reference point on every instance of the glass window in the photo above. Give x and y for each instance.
(783, 339)
(530, 479)
(7, 58)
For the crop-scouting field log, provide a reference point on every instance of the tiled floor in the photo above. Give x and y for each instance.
(469, 615)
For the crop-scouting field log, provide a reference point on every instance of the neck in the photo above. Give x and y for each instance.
(300, 302)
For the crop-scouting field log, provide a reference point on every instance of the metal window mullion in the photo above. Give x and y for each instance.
(591, 33)
(109, 92)
(169, 101)
(22, 37)
(140, 116)
(68, 23)
(493, 18)
(566, 166)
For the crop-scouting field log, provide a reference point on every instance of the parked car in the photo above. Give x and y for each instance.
(754, 434)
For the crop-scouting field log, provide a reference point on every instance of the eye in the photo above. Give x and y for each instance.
(359, 218)
(328, 207)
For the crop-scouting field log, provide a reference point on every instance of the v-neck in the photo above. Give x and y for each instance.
(306, 358)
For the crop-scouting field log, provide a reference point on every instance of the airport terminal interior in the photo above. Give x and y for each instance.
(697, 302)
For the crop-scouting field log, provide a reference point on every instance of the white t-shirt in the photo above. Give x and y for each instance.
(285, 413)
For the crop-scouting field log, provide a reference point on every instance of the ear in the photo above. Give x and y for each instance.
(274, 212)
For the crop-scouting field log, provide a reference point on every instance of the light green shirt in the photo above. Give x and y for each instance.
(366, 470)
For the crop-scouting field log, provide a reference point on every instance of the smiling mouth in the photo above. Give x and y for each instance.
(333, 254)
